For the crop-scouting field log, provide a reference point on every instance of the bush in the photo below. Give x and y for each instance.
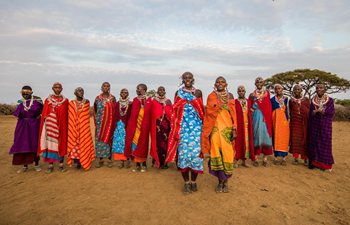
(342, 113)
(343, 102)
(6, 109)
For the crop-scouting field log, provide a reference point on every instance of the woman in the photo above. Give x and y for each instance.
(280, 125)
(320, 138)
(104, 111)
(219, 133)
(262, 121)
(122, 114)
(299, 107)
(185, 133)
(160, 127)
(25, 142)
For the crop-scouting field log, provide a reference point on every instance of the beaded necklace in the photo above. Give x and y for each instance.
(280, 100)
(123, 103)
(320, 102)
(244, 103)
(223, 96)
(55, 102)
(259, 94)
(104, 100)
(192, 90)
(24, 103)
(298, 101)
(79, 104)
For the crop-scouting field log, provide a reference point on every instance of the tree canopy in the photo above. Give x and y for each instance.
(308, 79)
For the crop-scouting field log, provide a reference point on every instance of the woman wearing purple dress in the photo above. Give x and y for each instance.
(320, 129)
(25, 144)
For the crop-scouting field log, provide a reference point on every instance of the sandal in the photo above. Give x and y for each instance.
(276, 162)
(23, 169)
(62, 168)
(121, 165)
(110, 164)
(265, 163)
(218, 188)
(99, 164)
(194, 187)
(284, 162)
(187, 188)
(37, 168)
(49, 169)
(295, 161)
(244, 164)
(143, 169)
(127, 164)
(256, 163)
(225, 187)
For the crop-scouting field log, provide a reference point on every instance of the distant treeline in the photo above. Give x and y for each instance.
(342, 109)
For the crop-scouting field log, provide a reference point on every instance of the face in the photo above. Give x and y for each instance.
(297, 91)
(26, 94)
(79, 93)
(124, 93)
(278, 90)
(259, 84)
(57, 89)
(320, 89)
(161, 91)
(105, 88)
(140, 91)
(220, 84)
(241, 92)
(188, 80)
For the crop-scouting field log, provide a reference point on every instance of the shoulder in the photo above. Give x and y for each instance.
(198, 93)
(230, 96)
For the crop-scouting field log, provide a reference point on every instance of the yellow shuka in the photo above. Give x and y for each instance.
(135, 140)
(216, 138)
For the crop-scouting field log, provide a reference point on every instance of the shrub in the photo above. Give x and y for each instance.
(6, 109)
(342, 113)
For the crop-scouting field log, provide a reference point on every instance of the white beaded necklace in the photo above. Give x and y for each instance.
(27, 108)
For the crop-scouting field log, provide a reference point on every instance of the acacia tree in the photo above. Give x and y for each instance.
(308, 79)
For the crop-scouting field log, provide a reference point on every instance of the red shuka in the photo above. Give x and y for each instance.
(157, 112)
(175, 123)
(141, 150)
(62, 122)
(240, 144)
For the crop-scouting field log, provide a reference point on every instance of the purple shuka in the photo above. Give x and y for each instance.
(320, 138)
(27, 130)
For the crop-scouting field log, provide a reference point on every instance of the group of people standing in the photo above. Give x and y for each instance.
(226, 130)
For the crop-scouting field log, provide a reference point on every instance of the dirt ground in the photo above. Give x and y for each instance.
(272, 195)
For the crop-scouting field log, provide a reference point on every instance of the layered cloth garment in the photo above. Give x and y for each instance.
(218, 125)
(262, 122)
(299, 117)
(138, 129)
(280, 128)
(104, 125)
(244, 144)
(122, 115)
(160, 128)
(320, 128)
(54, 129)
(25, 144)
(80, 144)
(185, 132)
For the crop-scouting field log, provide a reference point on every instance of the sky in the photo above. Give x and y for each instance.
(124, 42)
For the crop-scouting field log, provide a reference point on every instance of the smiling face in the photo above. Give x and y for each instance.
(26, 93)
(57, 89)
(105, 88)
(241, 92)
(124, 93)
(220, 84)
(188, 80)
(320, 89)
(297, 91)
(161, 91)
